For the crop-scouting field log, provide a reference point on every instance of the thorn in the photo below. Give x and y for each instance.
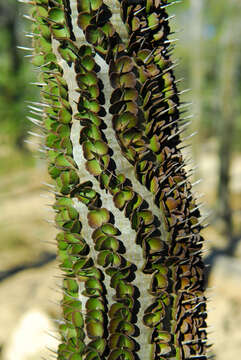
(211, 288)
(172, 3)
(138, 11)
(44, 65)
(35, 108)
(184, 147)
(30, 142)
(196, 306)
(189, 136)
(42, 151)
(29, 56)
(25, 48)
(170, 18)
(37, 83)
(148, 57)
(207, 328)
(175, 187)
(184, 104)
(166, 110)
(57, 320)
(193, 299)
(36, 122)
(38, 103)
(188, 161)
(201, 357)
(48, 242)
(36, 113)
(46, 197)
(197, 182)
(47, 184)
(49, 221)
(181, 129)
(29, 18)
(169, 41)
(52, 350)
(174, 64)
(147, 28)
(53, 336)
(178, 31)
(197, 208)
(186, 117)
(170, 124)
(199, 196)
(179, 80)
(184, 91)
(203, 341)
(35, 134)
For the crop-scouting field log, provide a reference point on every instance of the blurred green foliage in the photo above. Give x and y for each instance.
(15, 75)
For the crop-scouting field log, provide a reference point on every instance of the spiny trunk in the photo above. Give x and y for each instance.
(129, 241)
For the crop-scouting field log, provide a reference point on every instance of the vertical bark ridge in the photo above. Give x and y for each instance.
(79, 268)
(149, 136)
(141, 134)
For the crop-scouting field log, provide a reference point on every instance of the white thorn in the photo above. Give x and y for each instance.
(170, 17)
(35, 134)
(37, 83)
(189, 136)
(170, 41)
(25, 48)
(172, 3)
(29, 18)
(138, 11)
(184, 104)
(47, 184)
(38, 103)
(35, 108)
(184, 91)
(35, 121)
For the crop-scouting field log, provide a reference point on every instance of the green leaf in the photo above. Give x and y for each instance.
(89, 5)
(95, 329)
(60, 32)
(96, 315)
(153, 21)
(76, 357)
(94, 167)
(84, 19)
(119, 340)
(99, 345)
(124, 64)
(105, 258)
(65, 116)
(57, 15)
(122, 197)
(95, 304)
(87, 79)
(77, 319)
(153, 319)
(121, 354)
(163, 349)
(155, 244)
(98, 217)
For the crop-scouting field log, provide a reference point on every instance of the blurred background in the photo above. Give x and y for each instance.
(209, 55)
